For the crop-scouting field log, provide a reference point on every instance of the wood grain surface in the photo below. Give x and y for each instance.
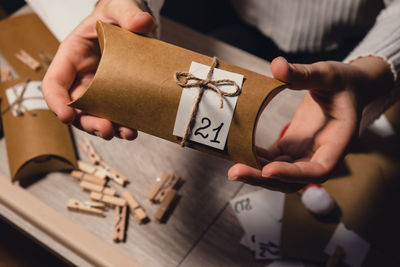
(202, 229)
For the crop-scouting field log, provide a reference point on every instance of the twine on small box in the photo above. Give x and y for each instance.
(20, 108)
(203, 85)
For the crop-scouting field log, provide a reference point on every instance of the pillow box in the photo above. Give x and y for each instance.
(37, 143)
(134, 86)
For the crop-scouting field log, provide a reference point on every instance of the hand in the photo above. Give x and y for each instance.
(323, 125)
(76, 61)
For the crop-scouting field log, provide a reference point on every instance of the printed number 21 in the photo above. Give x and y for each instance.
(207, 123)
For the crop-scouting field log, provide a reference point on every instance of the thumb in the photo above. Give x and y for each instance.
(303, 76)
(129, 16)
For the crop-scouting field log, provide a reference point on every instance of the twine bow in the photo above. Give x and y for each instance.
(203, 85)
(20, 108)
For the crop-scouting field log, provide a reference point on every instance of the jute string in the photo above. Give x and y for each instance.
(20, 108)
(207, 84)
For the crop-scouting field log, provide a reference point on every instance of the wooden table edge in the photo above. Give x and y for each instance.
(75, 238)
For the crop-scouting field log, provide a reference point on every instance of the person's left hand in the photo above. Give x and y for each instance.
(323, 125)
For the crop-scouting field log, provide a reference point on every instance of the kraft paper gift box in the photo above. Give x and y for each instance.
(37, 142)
(365, 187)
(134, 86)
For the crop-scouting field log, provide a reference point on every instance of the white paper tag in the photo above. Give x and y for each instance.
(249, 241)
(382, 127)
(212, 123)
(260, 213)
(355, 248)
(32, 98)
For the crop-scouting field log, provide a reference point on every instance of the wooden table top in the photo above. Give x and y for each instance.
(202, 229)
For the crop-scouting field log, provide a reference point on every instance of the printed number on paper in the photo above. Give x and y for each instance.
(212, 123)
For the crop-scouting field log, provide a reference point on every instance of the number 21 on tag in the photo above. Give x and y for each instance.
(204, 130)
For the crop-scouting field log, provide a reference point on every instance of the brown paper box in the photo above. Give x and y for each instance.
(366, 189)
(35, 144)
(134, 86)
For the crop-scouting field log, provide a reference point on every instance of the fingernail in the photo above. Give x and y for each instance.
(122, 135)
(267, 175)
(97, 133)
(237, 179)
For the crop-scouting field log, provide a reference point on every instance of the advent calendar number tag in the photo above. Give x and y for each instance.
(212, 123)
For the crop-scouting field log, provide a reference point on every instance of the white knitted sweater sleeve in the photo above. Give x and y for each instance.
(383, 40)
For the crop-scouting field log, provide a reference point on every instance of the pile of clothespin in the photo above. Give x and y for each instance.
(31, 62)
(45, 59)
(164, 192)
(94, 178)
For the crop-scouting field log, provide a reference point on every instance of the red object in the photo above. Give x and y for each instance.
(283, 131)
(311, 185)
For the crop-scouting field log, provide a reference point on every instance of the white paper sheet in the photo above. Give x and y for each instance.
(259, 213)
(32, 98)
(212, 123)
(355, 248)
(62, 16)
(382, 127)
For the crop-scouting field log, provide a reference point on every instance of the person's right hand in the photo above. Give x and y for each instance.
(324, 124)
(76, 61)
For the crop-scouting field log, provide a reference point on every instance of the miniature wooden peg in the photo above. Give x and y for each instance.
(171, 182)
(139, 214)
(89, 150)
(165, 205)
(88, 178)
(113, 174)
(46, 58)
(120, 223)
(92, 170)
(97, 188)
(76, 205)
(116, 201)
(95, 204)
(5, 75)
(133, 204)
(160, 182)
(106, 168)
(28, 60)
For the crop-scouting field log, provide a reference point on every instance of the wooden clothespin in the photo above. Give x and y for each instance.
(111, 200)
(95, 204)
(28, 60)
(88, 178)
(168, 185)
(92, 170)
(96, 160)
(136, 209)
(163, 184)
(113, 174)
(165, 205)
(89, 150)
(46, 58)
(97, 188)
(76, 205)
(120, 223)
(5, 75)
(336, 258)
